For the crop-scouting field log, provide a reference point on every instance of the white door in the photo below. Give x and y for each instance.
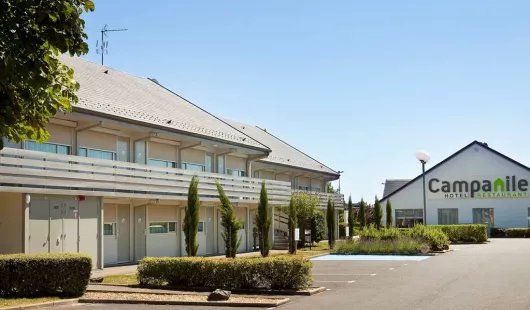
(56, 225)
(209, 231)
(88, 229)
(221, 242)
(123, 233)
(39, 225)
(70, 233)
(139, 233)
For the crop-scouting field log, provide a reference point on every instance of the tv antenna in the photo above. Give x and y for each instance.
(105, 44)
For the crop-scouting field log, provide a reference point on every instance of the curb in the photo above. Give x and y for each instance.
(199, 290)
(45, 304)
(186, 303)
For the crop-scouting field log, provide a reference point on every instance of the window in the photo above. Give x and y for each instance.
(123, 149)
(315, 189)
(409, 217)
(139, 152)
(209, 162)
(295, 182)
(303, 188)
(48, 147)
(194, 167)
(109, 229)
(162, 227)
(483, 216)
(162, 163)
(99, 154)
(11, 144)
(235, 172)
(447, 216)
(220, 163)
(200, 227)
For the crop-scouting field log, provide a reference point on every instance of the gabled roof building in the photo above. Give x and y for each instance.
(477, 184)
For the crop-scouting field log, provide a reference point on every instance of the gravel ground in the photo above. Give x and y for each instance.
(171, 297)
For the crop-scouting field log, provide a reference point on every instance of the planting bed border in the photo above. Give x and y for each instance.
(47, 304)
(186, 303)
(202, 289)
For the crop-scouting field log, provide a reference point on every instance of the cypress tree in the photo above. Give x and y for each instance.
(263, 221)
(378, 213)
(362, 214)
(350, 218)
(292, 227)
(389, 217)
(330, 216)
(230, 224)
(191, 218)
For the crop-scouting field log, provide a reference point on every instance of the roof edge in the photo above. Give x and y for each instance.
(485, 146)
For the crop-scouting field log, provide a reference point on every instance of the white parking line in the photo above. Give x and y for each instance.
(344, 274)
(351, 281)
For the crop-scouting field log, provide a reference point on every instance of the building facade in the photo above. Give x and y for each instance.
(475, 185)
(112, 181)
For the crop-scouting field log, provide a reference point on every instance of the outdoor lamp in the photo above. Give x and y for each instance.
(423, 157)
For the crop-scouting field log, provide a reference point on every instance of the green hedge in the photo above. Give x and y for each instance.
(283, 272)
(402, 246)
(471, 233)
(433, 236)
(32, 275)
(518, 232)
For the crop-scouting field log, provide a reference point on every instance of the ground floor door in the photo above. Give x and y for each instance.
(209, 232)
(39, 226)
(140, 232)
(88, 229)
(123, 233)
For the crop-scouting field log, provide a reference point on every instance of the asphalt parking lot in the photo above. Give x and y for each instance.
(487, 276)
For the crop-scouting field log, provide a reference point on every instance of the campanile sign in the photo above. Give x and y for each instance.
(488, 188)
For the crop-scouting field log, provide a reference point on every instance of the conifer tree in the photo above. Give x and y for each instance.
(389, 216)
(330, 216)
(230, 224)
(362, 214)
(263, 222)
(191, 218)
(378, 213)
(350, 218)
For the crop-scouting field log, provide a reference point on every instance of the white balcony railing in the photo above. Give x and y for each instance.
(338, 199)
(46, 173)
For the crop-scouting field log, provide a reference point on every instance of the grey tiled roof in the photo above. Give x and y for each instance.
(281, 152)
(140, 99)
(393, 185)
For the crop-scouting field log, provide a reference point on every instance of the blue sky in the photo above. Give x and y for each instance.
(361, 86)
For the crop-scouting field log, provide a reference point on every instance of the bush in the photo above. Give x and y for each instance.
(498, 232)
(518, 232)
(403, 246)
(290, 272)
(472, 233)
(432, 235)
(38, 275)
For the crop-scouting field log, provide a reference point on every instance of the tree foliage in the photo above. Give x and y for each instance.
(378, 213)
(34, 84)
(305, 205)
(318, 226)
(263, 222)
(389, 216)
(330, 219)
(230, 224)
(191, 218)
(351, 216)
(292, 227)
(362, 214)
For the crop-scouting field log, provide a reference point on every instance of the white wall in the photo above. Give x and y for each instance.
(475, 163)
(11, 223)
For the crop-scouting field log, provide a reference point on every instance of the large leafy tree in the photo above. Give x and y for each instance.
(263, 222)
(350, 218)
(191, 218)
(230, 224)
(34, 85)
(305, 205)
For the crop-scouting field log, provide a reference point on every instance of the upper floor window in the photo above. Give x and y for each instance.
(192, 166)
(48, 147)
(162, 163)
(303, 188)
(316, 189)
(235, 172)
(99, 154)
(11, 144)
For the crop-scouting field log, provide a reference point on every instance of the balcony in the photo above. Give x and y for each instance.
(338, 199)
(47, 173)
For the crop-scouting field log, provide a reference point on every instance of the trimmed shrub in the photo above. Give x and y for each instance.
(403, 246)
(518, 232)
(289, 272)
(472, 233)
(432, 235)
(39, 275)
(498, 232)
(373, 233)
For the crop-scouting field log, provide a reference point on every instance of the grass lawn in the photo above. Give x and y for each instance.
(121, 279)
(321, 246)
(13, 302)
